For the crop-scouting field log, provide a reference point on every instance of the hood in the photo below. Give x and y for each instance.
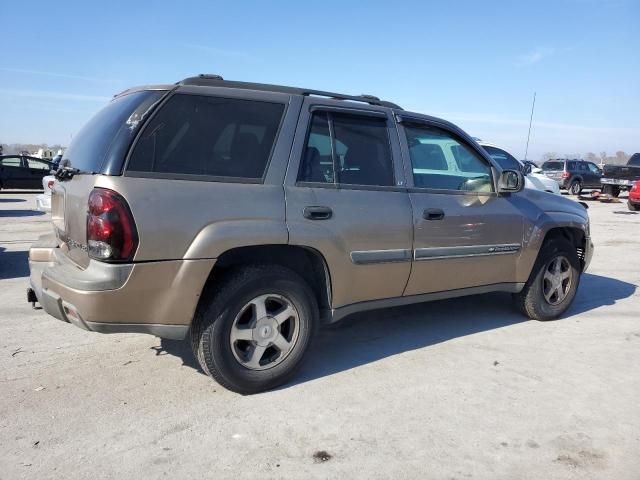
(549, 203)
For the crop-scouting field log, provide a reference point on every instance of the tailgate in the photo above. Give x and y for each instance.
(69, 215)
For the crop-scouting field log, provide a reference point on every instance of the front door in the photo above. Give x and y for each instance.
(345, 199)
(465, 234)
(36, 170)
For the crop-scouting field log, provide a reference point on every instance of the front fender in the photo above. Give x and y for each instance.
(536, 231)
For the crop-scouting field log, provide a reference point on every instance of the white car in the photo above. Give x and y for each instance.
(534, 178)
(43, 201)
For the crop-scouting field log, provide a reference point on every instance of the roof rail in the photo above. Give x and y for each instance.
(212, 80)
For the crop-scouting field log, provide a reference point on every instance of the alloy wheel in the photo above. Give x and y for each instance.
(557, 280)
(265, 332)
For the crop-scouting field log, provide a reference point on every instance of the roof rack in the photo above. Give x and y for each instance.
(211, 80)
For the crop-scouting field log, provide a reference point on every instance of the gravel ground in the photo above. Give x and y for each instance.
(453, 389)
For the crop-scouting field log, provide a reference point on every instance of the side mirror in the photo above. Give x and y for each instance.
(511, 181)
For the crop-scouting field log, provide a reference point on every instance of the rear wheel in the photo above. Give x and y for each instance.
(612, 190)
(553, 282)
(634, 207)
(575, 188)
(254, 331)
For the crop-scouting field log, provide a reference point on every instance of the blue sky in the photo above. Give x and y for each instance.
(474, 63)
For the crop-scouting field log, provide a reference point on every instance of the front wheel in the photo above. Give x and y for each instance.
(553, 282)
(634, 207)
(254, 331)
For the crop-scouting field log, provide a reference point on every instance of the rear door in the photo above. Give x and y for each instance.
(12, 172)
(465, 234)
(346, 198)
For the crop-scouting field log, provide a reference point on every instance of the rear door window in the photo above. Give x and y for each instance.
(208, 136)
(11, 162)
(358, 152)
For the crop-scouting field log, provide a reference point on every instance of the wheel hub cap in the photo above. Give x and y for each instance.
(557, 280)
(264, 332)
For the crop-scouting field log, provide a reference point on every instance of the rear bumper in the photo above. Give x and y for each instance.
(158, 298)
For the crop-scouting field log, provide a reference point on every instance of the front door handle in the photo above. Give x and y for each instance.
(317, 213)
(433, 214)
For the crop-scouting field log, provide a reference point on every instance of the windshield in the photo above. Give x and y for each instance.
(108, 133)
(504, 159)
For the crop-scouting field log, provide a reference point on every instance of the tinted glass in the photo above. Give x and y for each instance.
(504, 159)
(361, 148)
(317, 163)
(11, 162)
(571, 166)
(363, 153)
(553, 166)
(109, 131)
(634, 160)
(211, 136)
(37, 164)
(441, 161)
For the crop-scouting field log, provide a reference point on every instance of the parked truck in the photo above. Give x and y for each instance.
(617, 178)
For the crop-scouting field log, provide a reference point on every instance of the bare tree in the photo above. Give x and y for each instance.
(549, 156)
(592, 157)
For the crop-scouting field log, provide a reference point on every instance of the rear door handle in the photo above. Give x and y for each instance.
(317, 213)
(433, 214)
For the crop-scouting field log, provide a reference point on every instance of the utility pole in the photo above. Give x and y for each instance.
(526, 152)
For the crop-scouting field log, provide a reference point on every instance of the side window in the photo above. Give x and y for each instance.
(31, 163)
(594, 168)
(440, 161)
(359, 152)
(11, 162)
(211, 136)
(317, 159)
(571, 166)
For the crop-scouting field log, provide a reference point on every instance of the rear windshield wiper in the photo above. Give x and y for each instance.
(65, 173)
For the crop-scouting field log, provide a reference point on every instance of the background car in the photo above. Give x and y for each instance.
(634, 197)
(573, 175)
(43, 201)
(21, 171)
(534, 178)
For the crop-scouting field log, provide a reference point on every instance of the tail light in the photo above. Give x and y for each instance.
(50, 184)
(566, 174)
(111, 231)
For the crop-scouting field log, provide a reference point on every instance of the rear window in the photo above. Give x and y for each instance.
(555, 166)
(208, 136)
(108, 134)
(634, 160)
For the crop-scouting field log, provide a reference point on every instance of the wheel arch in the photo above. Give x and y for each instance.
(307, 262)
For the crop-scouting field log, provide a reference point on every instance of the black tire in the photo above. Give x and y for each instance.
(213, 323)
(633, 207)
(575, 188)
(612, 190)
(531, 300)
